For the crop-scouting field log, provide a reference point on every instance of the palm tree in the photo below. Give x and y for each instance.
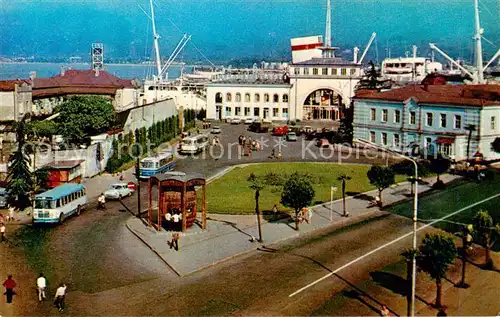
(438, 253)
(466, 242)
(257, 184)
(344, 178)
(483, 233)
(471, 128)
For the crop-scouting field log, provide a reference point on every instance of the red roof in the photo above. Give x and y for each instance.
(83, 78)
(467, 95)
(8, 85)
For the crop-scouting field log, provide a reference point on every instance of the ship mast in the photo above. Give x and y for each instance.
(156, 37)
(328, 30)
(479, 49)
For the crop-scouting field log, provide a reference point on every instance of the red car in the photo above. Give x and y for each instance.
(281, 131)
(132, 186)
(323, 143)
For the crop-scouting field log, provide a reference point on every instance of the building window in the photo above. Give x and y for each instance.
(228, 111)
(285, 112)
(229, 97)
(397, 116)
(492, 123)
(247, 97)
(256, 98)
(442, 117)
(256, 112)
(276, 112)
(343, 71)
(218, 97)
(238, 97)
(324, 71)
(373, 114)
(334, 71)
(276, 98)
(296, 71)
(458, 122)
(285, 98)
(237, 111)
(384, 115)
(247, 111)
(413, 117)
(315, 71)
(306, 71)
(266, 97)
(428, 143)
(396, 141)
(372, 137)
(353, 71)
(384, 138)
(429, 119)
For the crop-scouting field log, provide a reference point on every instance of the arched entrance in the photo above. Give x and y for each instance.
(322, 104)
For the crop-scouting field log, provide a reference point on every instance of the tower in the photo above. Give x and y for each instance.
(97, 53)
(328, 50)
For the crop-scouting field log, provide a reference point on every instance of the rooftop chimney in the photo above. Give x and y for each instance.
(355, 55)
(63, 70)
(96, 72)
(32, 77)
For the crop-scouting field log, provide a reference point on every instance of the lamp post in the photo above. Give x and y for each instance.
(332, 189)
(415, 213)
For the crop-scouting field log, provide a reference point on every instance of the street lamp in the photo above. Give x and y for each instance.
(415, 212)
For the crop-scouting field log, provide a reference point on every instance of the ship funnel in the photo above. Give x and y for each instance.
(414, 51)
(355, 55)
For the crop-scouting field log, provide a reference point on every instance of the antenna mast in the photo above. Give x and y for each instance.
(479, 49)
(156, 37)
(328, 30)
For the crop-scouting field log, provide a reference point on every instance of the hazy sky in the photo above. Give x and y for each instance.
(224, 29)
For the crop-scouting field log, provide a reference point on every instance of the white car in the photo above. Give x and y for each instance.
(216, 130)
(236, 121)
(118, 191)
(249, 120)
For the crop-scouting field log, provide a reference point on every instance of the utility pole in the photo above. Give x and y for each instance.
(137, 176)
(479, 49)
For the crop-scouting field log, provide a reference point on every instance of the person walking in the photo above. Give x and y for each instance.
(309, 215)
(9, 285)
(174, 243)
(59, 297)
(41, 283)
(2, 233)
(12, 210)
(385, 311)
(101, 202)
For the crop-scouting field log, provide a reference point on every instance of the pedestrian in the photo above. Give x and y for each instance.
(280, 155)
(309, 215)
(174, 243)
(275, 209)
(101, 202)
(59, 297)
(176, 218)
(41, 283)
(385, 311)
(377, 201)
(9, 285)
(12, 210)
(2, 233)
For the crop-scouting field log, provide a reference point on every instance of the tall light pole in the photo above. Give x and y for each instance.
(415, 213)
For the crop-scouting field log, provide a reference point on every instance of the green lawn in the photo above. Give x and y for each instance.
(455, 197)
(230, 194)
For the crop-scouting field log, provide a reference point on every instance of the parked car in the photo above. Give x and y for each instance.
(248, 120)
(280, 131)
(3, 198)
(132, 186)
(216, 130)
(291, 136)
(118, 191)
(323, 143)
(259, 127)
(236, 121)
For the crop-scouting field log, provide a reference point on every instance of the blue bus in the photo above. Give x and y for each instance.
(157, 163)
(57, 204)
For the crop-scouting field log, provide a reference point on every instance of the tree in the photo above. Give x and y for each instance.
(83, 116)
(437, 254)
(19, 178)
(465, 235)
(483, 232)
(371, 79)
(297, 193)
(406, 167)
(345, 131)
(440, 165)
(343, 178)
(40, 176)
(471, 128)
(495, 145)
(41, 129)
(381, 177)
(257, 185)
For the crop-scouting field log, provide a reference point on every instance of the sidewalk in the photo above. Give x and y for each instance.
(228, 236)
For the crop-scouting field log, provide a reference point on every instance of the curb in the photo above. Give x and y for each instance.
(152, 249)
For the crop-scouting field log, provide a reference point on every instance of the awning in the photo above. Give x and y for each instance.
(445, 141)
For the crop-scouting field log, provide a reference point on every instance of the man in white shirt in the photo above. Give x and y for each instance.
(41, 283)
(59, 297)
(101, 201)
(176, 219)
(2, 232)
(11, 213)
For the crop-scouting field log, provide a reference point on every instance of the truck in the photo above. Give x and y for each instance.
(259, 127)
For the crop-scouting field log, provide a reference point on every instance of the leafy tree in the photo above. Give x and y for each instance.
(202, 114)
(19, 177)
(41, 129)
(484, 232)
(257, 184)
(437, 254)
(343, 178)
(465, 235)
(41, 176)
(371, 80)
(440, 165)
(408, 168)
(471, 128)
(382, 177)
(83, 116)
(297, 194)
(345, 131)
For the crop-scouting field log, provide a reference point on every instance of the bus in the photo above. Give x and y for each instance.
(55, 205)
(194, 144)
(157, 163)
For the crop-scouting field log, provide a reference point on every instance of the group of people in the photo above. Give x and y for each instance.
(41, 285)
(305, 215)
(207, 124)
(215, 141)
(274, 156)
(173, 220)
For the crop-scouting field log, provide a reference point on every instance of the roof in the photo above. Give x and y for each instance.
(8, 85)
(327, 61)
(179, 177)
(64, 164)
(60, 191)
(466, 95)
(83, 78)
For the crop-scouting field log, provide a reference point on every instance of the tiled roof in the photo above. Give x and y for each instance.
(8, 85)
(467, 95)
(83, 78)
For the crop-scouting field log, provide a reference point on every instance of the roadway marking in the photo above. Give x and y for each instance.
(389, 243)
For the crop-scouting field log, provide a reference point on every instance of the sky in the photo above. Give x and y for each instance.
(226, 29)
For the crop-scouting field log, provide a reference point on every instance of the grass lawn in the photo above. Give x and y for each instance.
(231, 194)
(457, 196)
